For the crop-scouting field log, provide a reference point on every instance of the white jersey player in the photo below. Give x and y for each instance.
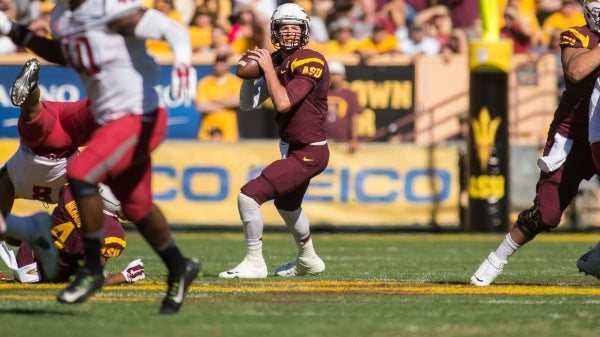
(128, 73)
(104, 41)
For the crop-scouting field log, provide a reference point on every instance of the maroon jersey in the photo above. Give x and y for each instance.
(342, 107)
(59, 129)
(305, 75)
(571, 115)
(69, 241)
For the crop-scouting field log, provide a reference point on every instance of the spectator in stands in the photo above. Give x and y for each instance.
(569, 15)
(341, 9)
(383, 41)
(342, 41)
(366, 20)
(263, 8)
(543, 8)
(525, 13)
(401, 15)
(343, 108)
(324, 9)
(417, 5)
(220, 10)
(218, 100)
(167, 7)
(220, 40)
(318, 29)
(517, 29)
(41, 25)
(9, 8)
(185, 8)
(156, 47)
(46, 8)
(419, 43)
(436, 20)
(6, 44)
(201, 28)
(457, 44)
(464, 14)
(247, 31)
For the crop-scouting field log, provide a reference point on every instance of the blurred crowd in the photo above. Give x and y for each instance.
(345, 27)
(221, 30)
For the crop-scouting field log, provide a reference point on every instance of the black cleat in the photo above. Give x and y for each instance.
(86, 283)
(177, 290)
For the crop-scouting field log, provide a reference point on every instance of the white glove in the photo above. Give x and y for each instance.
(183, 81)
(5, 24)
(134, 271)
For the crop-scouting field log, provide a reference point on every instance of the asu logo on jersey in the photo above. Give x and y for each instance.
(311, 66)
(574, 38)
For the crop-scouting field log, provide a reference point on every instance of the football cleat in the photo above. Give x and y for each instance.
(248, 268)
(302, 266)
(589, 263)
(25, 83)
(488, 271)
(178, 288)
(43, 247)
(85, 284)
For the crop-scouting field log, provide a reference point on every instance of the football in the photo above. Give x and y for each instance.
(248, 68)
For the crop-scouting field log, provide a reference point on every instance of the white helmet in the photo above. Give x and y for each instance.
(591, 11)
(112, 206)
(289, 14)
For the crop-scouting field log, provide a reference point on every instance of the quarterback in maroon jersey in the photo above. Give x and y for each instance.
(566, 160)
(297, 81)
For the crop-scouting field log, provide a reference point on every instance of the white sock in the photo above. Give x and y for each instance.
(251, 219)
(297, 222)
(254, 251)
(21, 228)
(507, 248)
(307, 249)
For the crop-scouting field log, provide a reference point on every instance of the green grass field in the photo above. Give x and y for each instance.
(375, 285)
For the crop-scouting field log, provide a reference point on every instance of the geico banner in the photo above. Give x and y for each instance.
(62, 84)
(381, 185)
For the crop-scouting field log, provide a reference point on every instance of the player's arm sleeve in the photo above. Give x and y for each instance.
(49, 49)
(157, 26)
(253, 94)
(299, 88)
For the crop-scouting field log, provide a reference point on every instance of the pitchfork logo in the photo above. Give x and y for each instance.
(484, 135)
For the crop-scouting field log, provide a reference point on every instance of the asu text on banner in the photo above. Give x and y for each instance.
(381, 185)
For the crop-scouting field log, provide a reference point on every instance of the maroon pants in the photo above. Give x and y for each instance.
(555, 190)
(286, 180)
